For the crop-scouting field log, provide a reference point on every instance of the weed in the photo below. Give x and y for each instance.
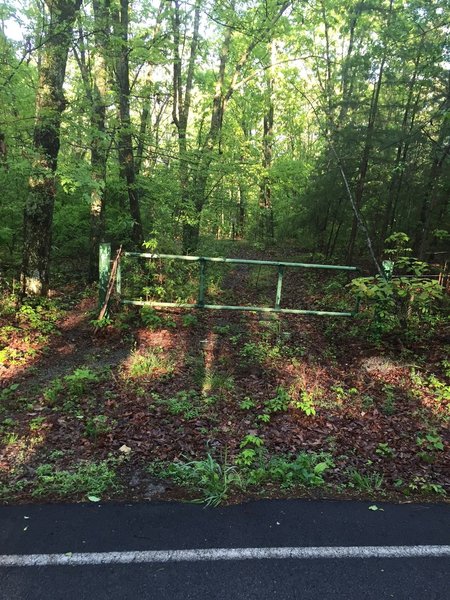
(152, 320)
(36, 423)
(89, 478)
(8, 392)
(215, 381)
(430, 444)
(420, 484)
(78, 383)
(97, 426)
(247, 403)
(251, 450)
(279, 403)
(99, 324)
(388, 406)
(211, 478)
(222, 329)
(306, 469)
(384, 450)
(366, 482)
(305, 403)
(253, 353)
(152, 362)
(183, 404)
(70, 389)
(189, 320)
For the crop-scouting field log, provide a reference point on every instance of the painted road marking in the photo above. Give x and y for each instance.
(220, 554)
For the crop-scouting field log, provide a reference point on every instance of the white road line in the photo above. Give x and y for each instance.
(219, 554)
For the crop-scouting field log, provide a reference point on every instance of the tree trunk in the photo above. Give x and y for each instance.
(265, 191)
(50, 103)
(126, 154)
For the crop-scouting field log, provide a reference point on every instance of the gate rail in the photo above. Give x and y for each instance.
(202, 260)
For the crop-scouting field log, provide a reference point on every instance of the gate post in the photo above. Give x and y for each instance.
(104, 261)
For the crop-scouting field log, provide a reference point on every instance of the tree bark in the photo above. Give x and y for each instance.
(50, 104)
(126, 153)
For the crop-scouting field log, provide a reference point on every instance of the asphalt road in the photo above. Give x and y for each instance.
(145, 532)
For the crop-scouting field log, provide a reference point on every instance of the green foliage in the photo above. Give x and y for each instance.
(87, 479)
(247, 403)
(212, 479)
(395, 303)
(154, 320)
(151, 363)
(305, 403)
(305, 469)
(430, 444)
(384, 450)
(366, 482)
(97, 426)
(185, 404)
(252, 450)
(279, 403)
(66, 392)
(189, 320)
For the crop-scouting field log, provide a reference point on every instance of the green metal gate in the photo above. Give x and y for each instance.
(202, 261)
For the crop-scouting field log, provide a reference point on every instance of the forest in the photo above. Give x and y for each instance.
(312, 132)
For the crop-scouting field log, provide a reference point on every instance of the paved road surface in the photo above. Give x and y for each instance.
(296, 549)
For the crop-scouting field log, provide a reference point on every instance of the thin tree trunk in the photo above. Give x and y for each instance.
(265, 192)
(126, 153)
(50, 104)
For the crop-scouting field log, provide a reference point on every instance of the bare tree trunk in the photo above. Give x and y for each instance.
(265, 191)
(126, 154)
(50, 103)
(94, 77)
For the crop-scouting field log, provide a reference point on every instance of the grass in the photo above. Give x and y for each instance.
(153, 362)
(211, 478)
(88, 478)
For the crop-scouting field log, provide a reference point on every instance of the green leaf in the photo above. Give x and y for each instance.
(94, 498)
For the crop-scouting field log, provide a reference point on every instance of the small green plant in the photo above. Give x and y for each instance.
(305, 469)
(8, 392)
(36, 423)
(99, 324)
(247, 403)
(384, 450)
(278, 403)
(217, 382)
(153, 320)
(395, 302)
(251, 450)
(97, 426)
(150, 363)
(189, 320)
(78, 383)
(52, 392)
(430, 444)
(388, 406)
(369, 482)
(213, 479)
(420, 484)
(305, 403)
(184, 404)
(222, 329)
(253, 353)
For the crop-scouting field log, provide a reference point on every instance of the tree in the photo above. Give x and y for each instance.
(50, 104)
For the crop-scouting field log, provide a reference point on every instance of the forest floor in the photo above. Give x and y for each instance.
(220, 405)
